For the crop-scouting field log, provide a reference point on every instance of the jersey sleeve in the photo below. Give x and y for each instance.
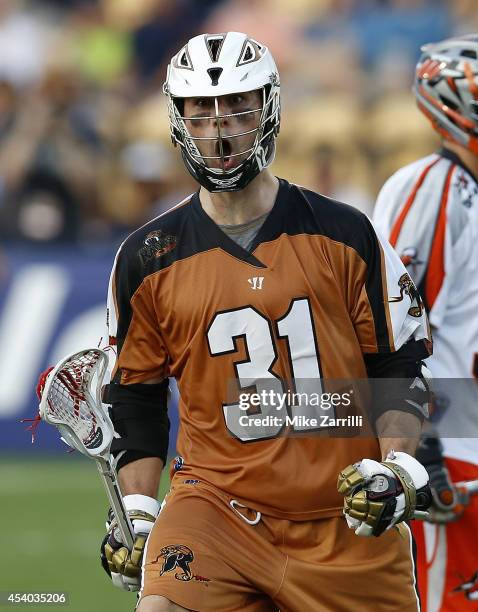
(387, 311)
(133, 328)
(428, 229)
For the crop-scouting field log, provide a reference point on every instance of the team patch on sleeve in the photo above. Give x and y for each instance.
(407, 316)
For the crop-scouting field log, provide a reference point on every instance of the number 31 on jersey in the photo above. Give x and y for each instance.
(297, 329)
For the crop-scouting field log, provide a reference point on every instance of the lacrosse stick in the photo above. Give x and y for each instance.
(71, 401)
(464, 490)
(470, 486)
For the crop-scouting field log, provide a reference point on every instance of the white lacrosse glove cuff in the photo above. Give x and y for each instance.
(143, 511)
(143, 503)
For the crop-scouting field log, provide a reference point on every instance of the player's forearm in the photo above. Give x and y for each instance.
(398, 431)
(141, 477)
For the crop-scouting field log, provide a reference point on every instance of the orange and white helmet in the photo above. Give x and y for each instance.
(446, 88)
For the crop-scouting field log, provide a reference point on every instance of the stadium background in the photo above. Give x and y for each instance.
(85, 158)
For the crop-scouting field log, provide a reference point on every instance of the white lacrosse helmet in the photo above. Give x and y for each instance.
(214, 65)
(446, 88)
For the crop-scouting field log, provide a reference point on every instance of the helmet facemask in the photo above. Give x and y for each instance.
(233, 146)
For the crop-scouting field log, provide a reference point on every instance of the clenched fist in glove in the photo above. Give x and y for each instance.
(122, 565)
(380, 495)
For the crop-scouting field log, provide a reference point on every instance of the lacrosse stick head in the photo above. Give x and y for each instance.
(71, 400)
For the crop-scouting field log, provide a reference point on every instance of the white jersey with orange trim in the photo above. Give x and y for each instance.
(429, 211)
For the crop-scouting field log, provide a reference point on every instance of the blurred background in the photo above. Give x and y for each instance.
(85, 158)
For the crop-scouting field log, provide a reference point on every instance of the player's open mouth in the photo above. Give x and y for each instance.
(229, 162)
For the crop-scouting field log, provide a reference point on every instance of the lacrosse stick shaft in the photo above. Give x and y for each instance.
(421, 515)
(471, 488)
(108, 475)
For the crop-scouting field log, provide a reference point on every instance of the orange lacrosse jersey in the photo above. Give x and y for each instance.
(317, 290)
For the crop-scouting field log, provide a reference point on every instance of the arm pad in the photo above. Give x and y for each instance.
(409, 392)
(140, 416)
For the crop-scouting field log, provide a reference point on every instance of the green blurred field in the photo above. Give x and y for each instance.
(53, 513)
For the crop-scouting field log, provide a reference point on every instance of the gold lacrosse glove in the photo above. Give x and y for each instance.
(378, 495)
(122, 565)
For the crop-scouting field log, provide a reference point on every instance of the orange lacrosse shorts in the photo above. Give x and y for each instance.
(207, 555)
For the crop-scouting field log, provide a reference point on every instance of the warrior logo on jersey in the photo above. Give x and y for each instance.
(179, 556)
(155, 244)
(407, 287)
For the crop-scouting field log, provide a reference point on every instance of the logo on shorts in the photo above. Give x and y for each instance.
(179, 557)
(407, 287)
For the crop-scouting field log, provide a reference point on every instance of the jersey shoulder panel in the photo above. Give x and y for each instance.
(139, 255)
(406, 188)
(336, 220)
(409, 173)
(377, 280)
(157, 237)
(322, 204)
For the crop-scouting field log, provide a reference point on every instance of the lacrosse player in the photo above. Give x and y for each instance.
(248, 283)
(429, 210)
